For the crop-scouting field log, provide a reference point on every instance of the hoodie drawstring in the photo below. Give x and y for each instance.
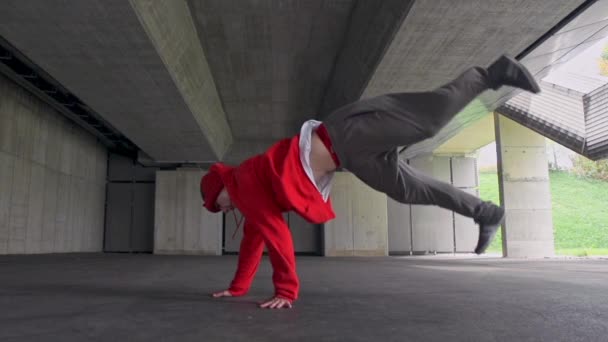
(238, 223)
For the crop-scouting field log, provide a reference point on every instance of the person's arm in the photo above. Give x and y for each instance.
(250, 255)
(279, 243)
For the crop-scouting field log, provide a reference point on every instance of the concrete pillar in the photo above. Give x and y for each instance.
(361, 227)
(181, 224)
(399, 227)
(432, 227)
(416, 228)
(466, 178)
(523, 178)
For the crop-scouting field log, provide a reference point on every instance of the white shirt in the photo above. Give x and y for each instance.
(324, 185)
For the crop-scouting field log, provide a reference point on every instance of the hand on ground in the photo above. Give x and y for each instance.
(220, 294)
(276, 303)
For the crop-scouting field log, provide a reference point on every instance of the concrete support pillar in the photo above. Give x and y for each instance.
(422, 229)
(399, 227)
(525, 193)
(432, 227)
(465, 177)
(181, 224)
(360, 228)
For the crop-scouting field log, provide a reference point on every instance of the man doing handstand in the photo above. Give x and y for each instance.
(364, 138)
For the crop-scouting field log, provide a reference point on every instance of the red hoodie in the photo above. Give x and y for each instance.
(262, 188)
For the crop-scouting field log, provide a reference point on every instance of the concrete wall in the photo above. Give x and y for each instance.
(52, 179)
(525, 192)
(432, 227)
(360, 228)
(181, 224)
(465, 177)
(306, 236)
(399, 227)
(421, 228)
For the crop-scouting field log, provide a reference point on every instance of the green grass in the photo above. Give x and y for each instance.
(580, 214)
(583, 252)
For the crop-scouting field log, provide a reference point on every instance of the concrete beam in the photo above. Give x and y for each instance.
(399, 227)
(170, 27)
(372, 29)
(470, 139)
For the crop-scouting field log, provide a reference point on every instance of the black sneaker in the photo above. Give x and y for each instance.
(487, 231)
(506, 70)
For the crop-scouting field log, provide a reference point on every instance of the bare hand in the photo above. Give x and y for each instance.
(276, 303)
(220, 294)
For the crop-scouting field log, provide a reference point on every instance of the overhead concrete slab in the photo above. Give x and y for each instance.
(480, 133)
(441, 40)
(203, 80)
(372, 28)
(567, 43)
(271, 61)
(101, 53)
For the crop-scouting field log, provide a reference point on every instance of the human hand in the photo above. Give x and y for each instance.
(219, 294)
(276, 303)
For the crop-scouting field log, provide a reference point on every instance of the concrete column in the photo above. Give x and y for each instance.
(181, 224)
(417, 228)
(432, 227)
(361, 227)
(399, 227)
(466, 178)
(525, 193)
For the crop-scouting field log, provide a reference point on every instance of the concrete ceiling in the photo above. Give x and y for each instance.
(270, 61)
(100, 51)
(470, 139)
(583, 28)
(204, 80)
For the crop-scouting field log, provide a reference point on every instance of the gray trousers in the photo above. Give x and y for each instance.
(366, 136)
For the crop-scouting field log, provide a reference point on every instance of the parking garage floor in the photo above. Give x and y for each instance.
(139, 297)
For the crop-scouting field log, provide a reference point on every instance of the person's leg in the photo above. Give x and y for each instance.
(387, 173)
(401, 119)
(391, 175)
(362, 131)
